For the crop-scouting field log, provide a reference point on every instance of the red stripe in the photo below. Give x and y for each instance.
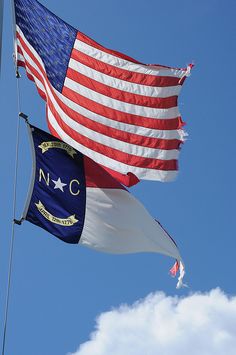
(124, 96)
(115, 115)
(128, 180)
(101, 179)
(166, 144)
(104, 177)
(133, 160)
(30, 77)
(20, 63)
(130, 159)
(136, 139)
(124, 136)
(28, 51)
(132, 138)
(38, 75)
(161, 124)
(130, 76)
(19, 51)
(113, 153)
(175, 268)
(82, 37)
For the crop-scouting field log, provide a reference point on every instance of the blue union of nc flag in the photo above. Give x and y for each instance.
(76, 200)
(59, 193)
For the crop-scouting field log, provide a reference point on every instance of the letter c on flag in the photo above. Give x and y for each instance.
(70, 187)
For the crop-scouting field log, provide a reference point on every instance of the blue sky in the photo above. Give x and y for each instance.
(58, 290)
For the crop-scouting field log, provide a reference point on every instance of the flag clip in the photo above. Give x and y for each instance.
(24, 116)
(17, 221)
(18, 76)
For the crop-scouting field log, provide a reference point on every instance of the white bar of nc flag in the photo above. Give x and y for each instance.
(78, 201)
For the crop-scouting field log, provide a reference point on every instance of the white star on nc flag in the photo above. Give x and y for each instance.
(59, 184)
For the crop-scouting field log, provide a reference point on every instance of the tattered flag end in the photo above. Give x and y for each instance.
(178, 266)
(174, 269)
(189, 68)
(180, 283)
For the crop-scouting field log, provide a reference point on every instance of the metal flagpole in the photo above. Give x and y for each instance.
(14, 221)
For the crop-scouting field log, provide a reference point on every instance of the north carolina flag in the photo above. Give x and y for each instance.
(76, 200)
(114, 109)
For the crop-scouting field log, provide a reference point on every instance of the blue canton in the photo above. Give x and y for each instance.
(51, 37)
(58, 200)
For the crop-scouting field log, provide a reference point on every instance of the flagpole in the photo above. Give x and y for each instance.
(10, 266)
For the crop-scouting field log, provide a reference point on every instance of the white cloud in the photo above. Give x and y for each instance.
(199, 324)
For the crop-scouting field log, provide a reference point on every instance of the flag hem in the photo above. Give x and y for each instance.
(33, 172)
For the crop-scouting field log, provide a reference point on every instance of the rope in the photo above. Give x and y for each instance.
(14, 187)
(13, 221)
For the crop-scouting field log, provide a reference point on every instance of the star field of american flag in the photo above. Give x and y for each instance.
(51, 37)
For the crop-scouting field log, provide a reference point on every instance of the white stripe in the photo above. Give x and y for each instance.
(156, 70)
(100, 138)
(163, 113)
(165, 134)
(142, 173)
(134, 129)
(38, 83)
(103, 160)
(114, 143)
(159, 113)
(20, 57)
(116, 222)
(28, 45)
(142, 131)
(137, 89)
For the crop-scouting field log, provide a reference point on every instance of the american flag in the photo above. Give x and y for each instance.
(121, 113)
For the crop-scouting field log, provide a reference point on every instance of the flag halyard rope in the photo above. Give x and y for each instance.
(13, 226)
(14, 220)
(14, 215)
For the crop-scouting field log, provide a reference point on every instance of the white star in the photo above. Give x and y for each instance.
(59, 184)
